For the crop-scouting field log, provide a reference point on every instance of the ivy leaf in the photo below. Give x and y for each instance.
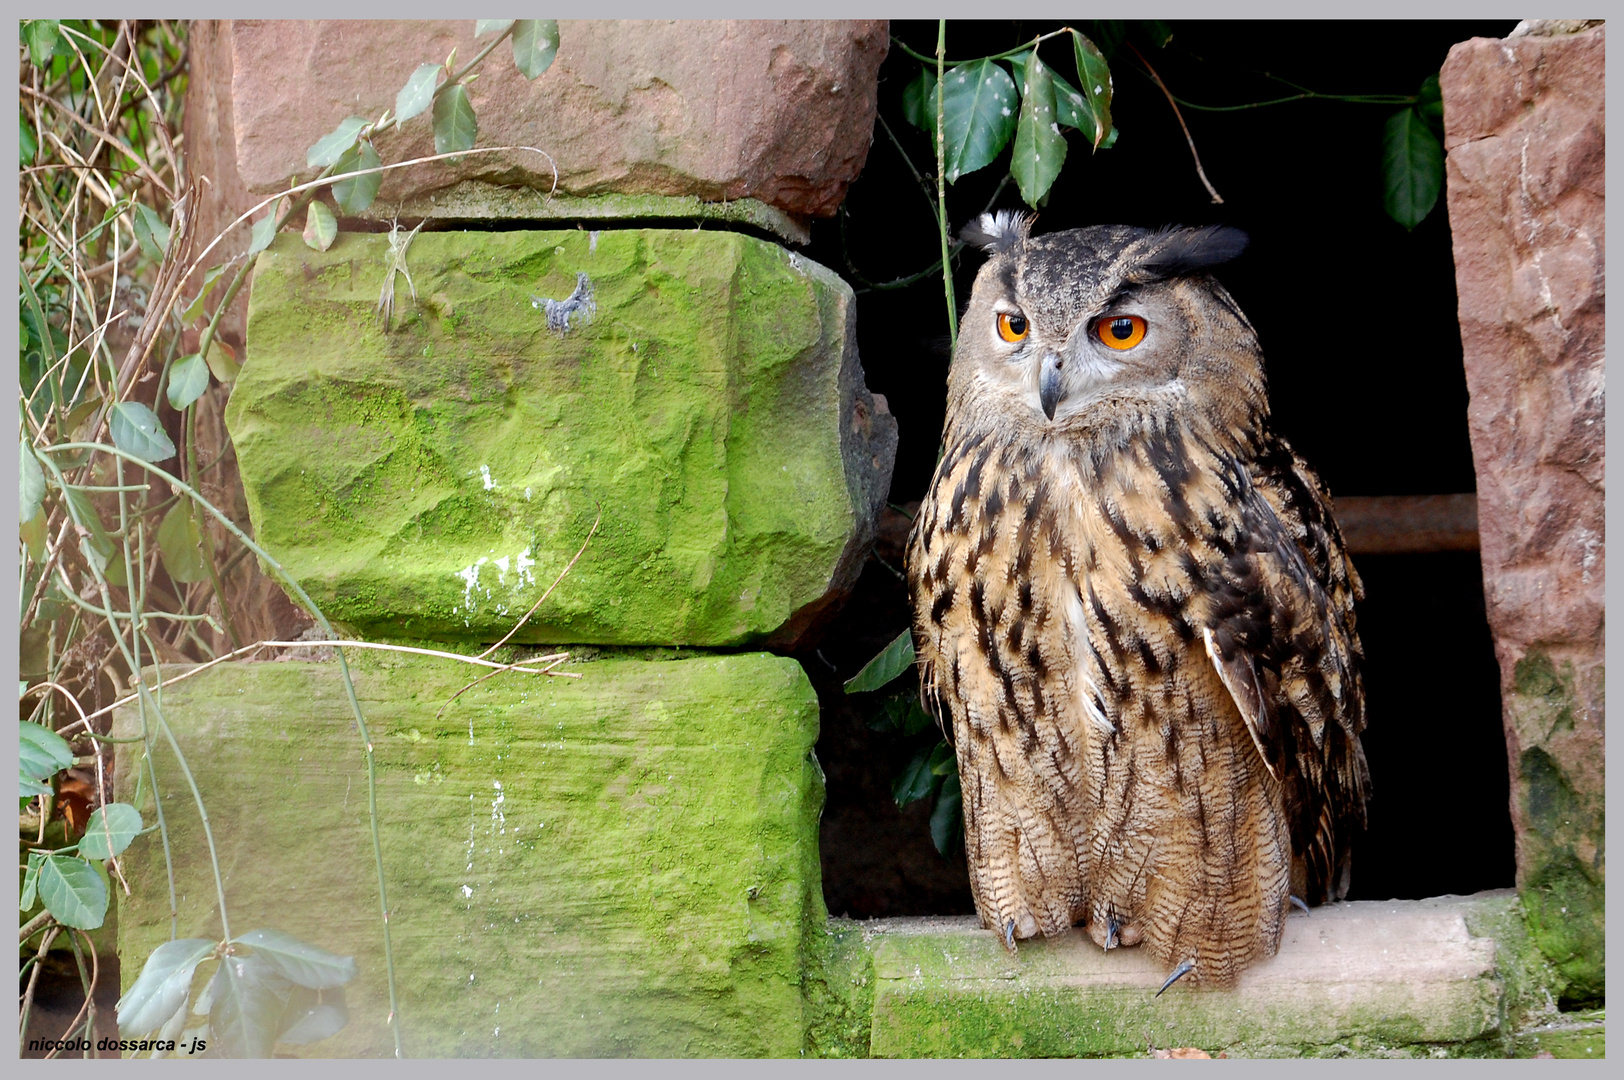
(264, 230)
(979, 102)
(321, 227)
(1412, 166)
(98, 546)
(1430, 104)
(110, 830)
(313, 1015)
(27, 143)
(36, 859)
(454, 123)
(30, 483)
(151, 232)
(903, 714)
(1094, 83)
(330, 147)
(891, 661)
(32, 533)
(72, 891)
(1108, 34)
(247, 1004)
(41, 752)
(919, 100)
(181, 545)
(163, 986)
(486, 26)
(947, 816)
(1039, 149)
(356, 194)
(136, 430)
(188, 378)
(298, 961)
(915, 780)
(194, 310)
(416, 95)
(535, 44)
(41, 35)
(116, 572)
(222, 361)
(1073, 112)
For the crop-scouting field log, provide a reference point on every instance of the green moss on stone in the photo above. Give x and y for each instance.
(1561, 837)
(434, 480)
(839, 992)
(1576, 1036)
(620, 864)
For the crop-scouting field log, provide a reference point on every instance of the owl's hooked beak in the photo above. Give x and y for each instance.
(1049, 392)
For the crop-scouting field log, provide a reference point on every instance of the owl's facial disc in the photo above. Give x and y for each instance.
(1088, 360)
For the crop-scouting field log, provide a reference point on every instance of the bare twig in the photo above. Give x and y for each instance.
(111, 140)
(95, 974)
(1216, 198)
(397, 264)
(590, 532)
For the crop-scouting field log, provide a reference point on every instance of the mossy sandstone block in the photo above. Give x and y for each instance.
(430, 481)
(620, 864)
(1559, 804)
(1400, 978)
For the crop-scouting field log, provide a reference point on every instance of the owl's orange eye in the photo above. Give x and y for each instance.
(1012, 327)
(1121, 331)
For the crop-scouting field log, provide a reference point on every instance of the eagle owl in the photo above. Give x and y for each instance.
(1134, 607)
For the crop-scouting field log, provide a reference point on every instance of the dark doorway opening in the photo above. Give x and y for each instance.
(1358, 323)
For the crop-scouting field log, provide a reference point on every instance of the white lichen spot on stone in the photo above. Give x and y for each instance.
(592, 241)
(485, 475)
(466, 893)
(501, 570)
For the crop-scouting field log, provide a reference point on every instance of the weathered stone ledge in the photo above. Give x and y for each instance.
(472, 201)
(1444, 977)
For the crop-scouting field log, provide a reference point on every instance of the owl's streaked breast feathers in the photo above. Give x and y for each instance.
(1134, 607)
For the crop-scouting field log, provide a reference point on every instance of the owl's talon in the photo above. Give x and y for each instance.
(1110, 934)
(1298, 901)
(1178, 973)
(1009, 935)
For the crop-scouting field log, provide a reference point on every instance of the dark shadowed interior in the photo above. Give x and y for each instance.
(1358, 324)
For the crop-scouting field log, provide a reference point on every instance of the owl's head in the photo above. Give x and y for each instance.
(1064, 325)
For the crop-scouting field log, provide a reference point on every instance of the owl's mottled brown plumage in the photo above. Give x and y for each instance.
(1134, 608)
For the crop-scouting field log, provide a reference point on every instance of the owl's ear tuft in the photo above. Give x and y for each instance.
(1178, 251)
(999, 232)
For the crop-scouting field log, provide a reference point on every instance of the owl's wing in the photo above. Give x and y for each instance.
(1281, 636)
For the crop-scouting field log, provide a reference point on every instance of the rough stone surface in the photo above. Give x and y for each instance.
(1524, 133)
(431, 482)
(1400, 978)
(623, 864)
(779, 111)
